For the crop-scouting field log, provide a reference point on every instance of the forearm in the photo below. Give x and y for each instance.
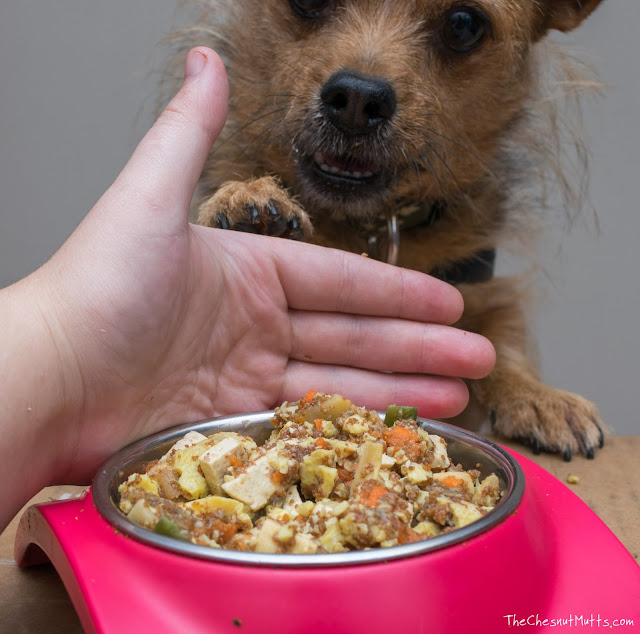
(34, 398)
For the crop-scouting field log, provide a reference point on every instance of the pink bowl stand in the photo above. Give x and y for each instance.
(553, 559)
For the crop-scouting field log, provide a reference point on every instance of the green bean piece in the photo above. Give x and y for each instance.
(399, 412)
(169, 529)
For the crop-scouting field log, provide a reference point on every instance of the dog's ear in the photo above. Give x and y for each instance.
(565, 15)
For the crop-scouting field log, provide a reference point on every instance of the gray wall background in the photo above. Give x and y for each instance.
(77, 80)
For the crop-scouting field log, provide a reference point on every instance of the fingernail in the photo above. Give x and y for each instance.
(194, 64)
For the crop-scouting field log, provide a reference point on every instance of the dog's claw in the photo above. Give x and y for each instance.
(589, 453)
(493, 417)
(223, 221)
(255, 215)
(277, 225)
(535, 447)
(567, 455)
(601, 443)
(295, 229)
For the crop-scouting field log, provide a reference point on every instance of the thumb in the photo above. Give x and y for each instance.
(165, 167)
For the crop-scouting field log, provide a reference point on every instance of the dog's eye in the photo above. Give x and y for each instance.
(309, 9)
(464, 29)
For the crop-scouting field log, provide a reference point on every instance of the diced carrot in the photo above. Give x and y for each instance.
(277, 477)
(318, 422)
(234, 461)
(225, 531)
(400, 436)
(322, 443)
(373, 494)
(406, 535)
(242, 544)
(452, 481)
(308, 397)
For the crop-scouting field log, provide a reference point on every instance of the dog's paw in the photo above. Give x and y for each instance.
(258, 206)
(550, 420)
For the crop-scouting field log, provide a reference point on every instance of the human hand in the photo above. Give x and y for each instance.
(143, 321)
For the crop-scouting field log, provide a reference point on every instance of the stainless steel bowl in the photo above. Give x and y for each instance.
(470, 450)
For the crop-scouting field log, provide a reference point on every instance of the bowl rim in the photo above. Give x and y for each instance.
(114, 468)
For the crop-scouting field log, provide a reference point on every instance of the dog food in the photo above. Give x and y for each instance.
(332, 477)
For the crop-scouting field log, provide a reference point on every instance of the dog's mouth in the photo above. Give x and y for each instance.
(331, 178)
(345, 169)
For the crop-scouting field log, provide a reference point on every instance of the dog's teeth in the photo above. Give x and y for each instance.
(332, 169)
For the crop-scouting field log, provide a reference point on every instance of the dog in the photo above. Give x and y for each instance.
(409, 130)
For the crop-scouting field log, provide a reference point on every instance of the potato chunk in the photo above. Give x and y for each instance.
(460, 480)
(271, 539)
(317, 475)
(369, 462)
(487, 492)
(330, 409)
(461, 513)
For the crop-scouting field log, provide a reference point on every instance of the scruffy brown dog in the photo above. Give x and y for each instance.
(347, 116)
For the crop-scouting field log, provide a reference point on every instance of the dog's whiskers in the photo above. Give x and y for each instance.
(235, 132)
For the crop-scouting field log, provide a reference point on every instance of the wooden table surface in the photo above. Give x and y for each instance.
(35, 600)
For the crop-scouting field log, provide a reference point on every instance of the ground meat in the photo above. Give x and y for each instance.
(311, 493)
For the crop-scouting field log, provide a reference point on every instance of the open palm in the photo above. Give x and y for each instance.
(157, 321)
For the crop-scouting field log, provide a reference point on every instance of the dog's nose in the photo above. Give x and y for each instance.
(357, 104)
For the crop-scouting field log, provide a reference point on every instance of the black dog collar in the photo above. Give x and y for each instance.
(478, 268)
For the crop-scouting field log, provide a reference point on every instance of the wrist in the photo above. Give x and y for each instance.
(40, 393)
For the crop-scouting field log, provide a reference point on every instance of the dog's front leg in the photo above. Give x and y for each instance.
(256, 206)
(518, 403)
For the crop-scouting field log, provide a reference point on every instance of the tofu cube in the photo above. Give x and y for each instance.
(292, 500)
(190, 439)
(440, 456)
(254, 487)
(215, 461)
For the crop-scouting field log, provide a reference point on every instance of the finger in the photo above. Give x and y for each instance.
(435, 397)
(167, 163)
(393, 345)
(351, 283)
